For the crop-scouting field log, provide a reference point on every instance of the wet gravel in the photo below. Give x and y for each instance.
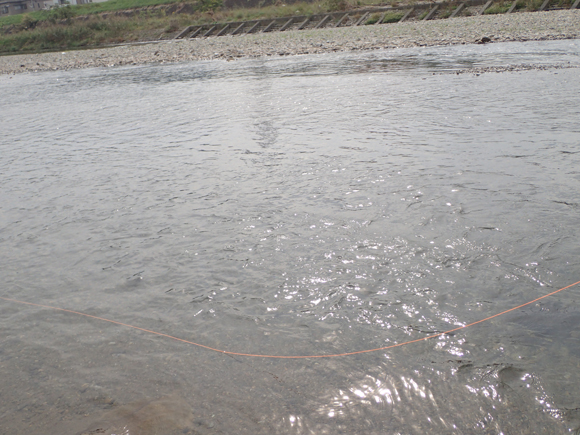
(524, 26)
(511, 68)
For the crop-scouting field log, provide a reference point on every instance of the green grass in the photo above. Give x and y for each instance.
(90, 8)
(498, 8)
(446, 13)
(529, 5)
(300, 8)
(338, 5)
(393, 17)
(90, 33)
(566, 4)
(10, 20)
(373, 18)
(73, 27)
(118, 5)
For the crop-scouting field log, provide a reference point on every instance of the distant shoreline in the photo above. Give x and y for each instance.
(525, 26)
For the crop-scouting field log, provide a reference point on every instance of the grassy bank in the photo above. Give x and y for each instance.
(91, 8)
(193, 6)
(118, 21)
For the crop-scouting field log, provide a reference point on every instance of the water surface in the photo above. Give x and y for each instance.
(295, 206)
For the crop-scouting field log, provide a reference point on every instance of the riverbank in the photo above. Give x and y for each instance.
(563, 24)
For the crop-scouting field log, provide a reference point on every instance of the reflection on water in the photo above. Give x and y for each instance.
(296, 206)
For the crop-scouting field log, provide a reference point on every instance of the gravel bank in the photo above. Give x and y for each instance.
(564, 24)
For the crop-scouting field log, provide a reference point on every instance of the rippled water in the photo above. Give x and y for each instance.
(295, 206)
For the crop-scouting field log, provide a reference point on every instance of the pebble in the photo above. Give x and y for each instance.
(521, 26)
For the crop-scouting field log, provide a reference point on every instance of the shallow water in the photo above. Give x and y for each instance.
(295, 206)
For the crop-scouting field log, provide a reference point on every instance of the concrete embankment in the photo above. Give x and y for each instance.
(562, 24)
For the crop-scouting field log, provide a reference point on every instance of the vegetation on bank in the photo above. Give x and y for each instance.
(118, 21)
(277, 10)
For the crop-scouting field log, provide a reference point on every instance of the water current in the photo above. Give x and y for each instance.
(293, 206)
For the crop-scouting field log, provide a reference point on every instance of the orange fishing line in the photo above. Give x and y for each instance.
(227, 352)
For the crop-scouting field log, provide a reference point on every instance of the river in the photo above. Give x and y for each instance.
(299, 206)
